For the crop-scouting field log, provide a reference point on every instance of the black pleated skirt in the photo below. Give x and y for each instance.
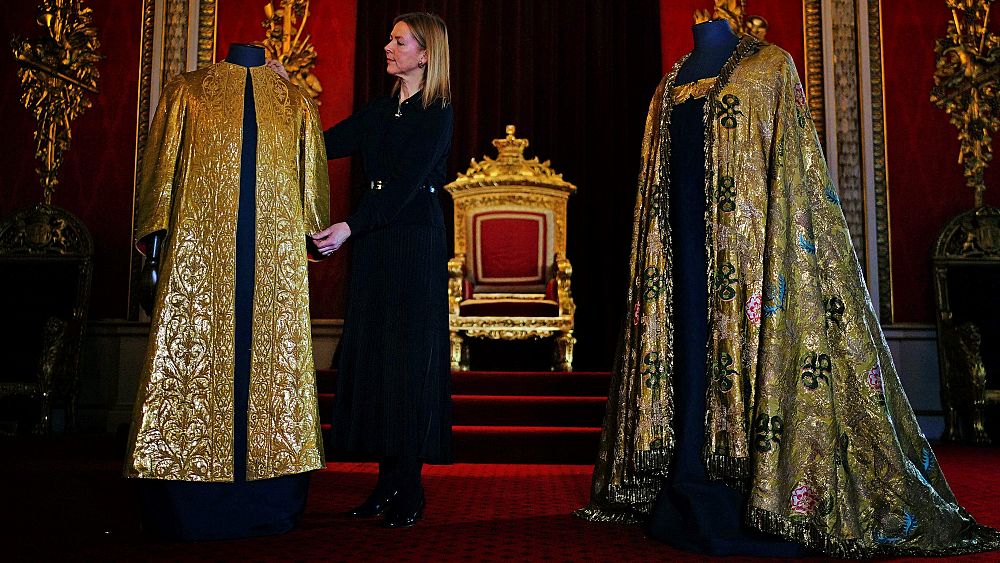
(394, 386)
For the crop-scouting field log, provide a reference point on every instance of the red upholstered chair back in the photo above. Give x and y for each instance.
(511, 249)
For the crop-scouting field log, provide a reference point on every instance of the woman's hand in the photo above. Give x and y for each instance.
(330, 239)
(276, 66)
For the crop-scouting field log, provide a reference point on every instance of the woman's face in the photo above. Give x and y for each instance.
(402, 52)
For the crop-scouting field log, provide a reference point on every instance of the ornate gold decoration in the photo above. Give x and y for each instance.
(965, 86)
(511, 182)
(57, 70)
(814, 83)
(286, 44)
(971, 239)
(734, 11)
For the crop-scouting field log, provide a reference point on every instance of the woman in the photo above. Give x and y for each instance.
(393, 397)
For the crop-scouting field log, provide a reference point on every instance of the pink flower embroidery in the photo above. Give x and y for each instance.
(803, 499)
(800, 96)
(753, 309)
(635, 314)
(875, 379)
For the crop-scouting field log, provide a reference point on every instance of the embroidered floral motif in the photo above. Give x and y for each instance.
(875, 379)
(803, 499)
(753, 308)
(800, 96)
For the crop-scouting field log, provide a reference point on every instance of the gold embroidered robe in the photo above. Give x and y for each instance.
(804, 409)
(183, 421)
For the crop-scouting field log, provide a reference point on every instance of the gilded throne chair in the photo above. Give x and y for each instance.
(510, 278)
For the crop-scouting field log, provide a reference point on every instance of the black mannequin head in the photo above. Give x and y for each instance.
(245, 54)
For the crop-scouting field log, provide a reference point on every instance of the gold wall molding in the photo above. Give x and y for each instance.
(880, 176)
(844, 84)
(815, 86)
(164, 44)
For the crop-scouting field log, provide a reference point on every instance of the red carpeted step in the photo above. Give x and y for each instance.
(524, 444)
(502, 410)
(508, 444)
(542, 383)
(513, 417)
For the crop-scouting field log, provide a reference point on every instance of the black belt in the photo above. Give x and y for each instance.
(379, 184)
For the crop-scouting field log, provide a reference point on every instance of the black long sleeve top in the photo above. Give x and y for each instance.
(406, 152)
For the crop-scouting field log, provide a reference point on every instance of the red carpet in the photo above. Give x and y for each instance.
(63, 499)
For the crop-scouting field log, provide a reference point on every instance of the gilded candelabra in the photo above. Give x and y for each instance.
(285, 42)
(734, 11)
(965, 86)
(57, 70)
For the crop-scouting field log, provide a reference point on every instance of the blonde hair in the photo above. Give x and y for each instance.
(432, 35)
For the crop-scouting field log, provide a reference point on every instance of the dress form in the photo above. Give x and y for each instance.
(191, 510)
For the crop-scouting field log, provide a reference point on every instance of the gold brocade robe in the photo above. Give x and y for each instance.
(182, 426)
(804, 409)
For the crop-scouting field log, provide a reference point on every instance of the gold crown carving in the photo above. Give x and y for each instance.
(510, 168)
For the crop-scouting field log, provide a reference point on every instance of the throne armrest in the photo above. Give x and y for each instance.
(563, 274)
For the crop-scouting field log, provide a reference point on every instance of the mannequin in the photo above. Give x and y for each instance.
(692, 512)
(262, 499)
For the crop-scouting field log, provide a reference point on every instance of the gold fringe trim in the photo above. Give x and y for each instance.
(976, 539)
(733, 471)
(621, 515)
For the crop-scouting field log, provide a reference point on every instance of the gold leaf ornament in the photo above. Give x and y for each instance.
(57, 70)
(288, 43)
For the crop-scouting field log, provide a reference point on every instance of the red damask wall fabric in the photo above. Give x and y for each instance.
(926, 186)
(97, 173)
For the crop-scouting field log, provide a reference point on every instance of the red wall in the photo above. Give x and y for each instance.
(784, 20)
(332, 24)
(926, 186)
(97, 172)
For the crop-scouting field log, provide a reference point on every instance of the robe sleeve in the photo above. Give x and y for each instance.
(432, 142)
(159, 162)
(313, 176)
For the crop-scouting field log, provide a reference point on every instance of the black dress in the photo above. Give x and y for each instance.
(393, 388)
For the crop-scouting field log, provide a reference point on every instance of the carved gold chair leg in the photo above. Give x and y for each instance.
(564, 351)
(459, 352)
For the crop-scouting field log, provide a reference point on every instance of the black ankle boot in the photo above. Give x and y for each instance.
(405, 512)
(376, 504)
